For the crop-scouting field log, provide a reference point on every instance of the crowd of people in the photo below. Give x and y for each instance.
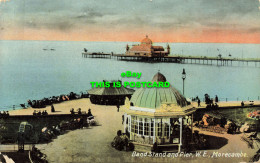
(48, 133)
(54, 99)
(37, 155)
(208, 101)
(254, 115)
(37, 113)
(72, 111)
(121, 142)
(4, 113)
(217, 122)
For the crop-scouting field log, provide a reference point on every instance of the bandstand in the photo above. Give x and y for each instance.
(158, 116)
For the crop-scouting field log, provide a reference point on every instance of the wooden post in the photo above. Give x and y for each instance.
(143, 126)
(180, 144)
(130, 125)
(153, 130)
(192, 127)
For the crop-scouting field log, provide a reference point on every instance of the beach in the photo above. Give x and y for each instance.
(93, 144)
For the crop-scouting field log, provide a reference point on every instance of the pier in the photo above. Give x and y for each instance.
(201, 60)
(96, 55)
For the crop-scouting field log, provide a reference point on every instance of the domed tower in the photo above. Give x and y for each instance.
(146, 41)
(153, 114)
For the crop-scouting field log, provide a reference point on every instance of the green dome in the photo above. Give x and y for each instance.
(154, 97)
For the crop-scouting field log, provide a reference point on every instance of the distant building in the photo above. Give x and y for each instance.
(147, 49)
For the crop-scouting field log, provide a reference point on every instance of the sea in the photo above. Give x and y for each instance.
(29, 72)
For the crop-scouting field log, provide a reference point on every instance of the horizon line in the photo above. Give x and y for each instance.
(133, 41)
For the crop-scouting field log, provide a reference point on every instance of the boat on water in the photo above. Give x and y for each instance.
(49, 49)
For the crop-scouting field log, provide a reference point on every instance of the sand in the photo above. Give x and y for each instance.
(60, 108)
(85, 104)
(93, 144)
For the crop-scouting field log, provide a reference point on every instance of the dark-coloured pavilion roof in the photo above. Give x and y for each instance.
(112, 91)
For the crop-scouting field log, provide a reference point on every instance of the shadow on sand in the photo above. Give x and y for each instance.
(214, 142)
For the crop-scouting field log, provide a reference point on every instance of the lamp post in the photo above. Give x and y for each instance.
(183, 78)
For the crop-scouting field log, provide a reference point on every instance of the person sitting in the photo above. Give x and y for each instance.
(90, 116)
(118, 142)
(79, 111)
(72, 111)
(39, 113)
(34, 113)
(89, 113)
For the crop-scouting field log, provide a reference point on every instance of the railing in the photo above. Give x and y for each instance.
(13, 147)
(226, 99)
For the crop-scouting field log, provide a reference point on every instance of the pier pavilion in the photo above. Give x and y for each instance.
(158, 115)
(146, 49)
(109, 95)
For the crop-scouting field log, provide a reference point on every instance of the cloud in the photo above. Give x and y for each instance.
(51, 24)
(254, 30)
(66, 15)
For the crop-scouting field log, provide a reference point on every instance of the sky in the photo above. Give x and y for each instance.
(225, 21)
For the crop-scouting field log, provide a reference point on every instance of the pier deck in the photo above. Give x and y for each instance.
(203, 60)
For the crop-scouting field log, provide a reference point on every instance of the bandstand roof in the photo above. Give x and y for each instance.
(111, 91)
(155, 97)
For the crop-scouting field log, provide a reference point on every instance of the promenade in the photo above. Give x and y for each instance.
(93, 144)
(229, 104)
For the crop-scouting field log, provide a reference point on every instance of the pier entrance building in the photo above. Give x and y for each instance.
(147, 49)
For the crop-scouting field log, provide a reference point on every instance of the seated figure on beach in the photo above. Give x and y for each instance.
(118, 142)
(34, 112)
(45, 112)
(72, 111)
(79, 111)
(89, 113)
(39, 113)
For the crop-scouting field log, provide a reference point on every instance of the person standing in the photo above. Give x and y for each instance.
(216, 98)
(52, 108)
(118, 106)
(198, 102)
